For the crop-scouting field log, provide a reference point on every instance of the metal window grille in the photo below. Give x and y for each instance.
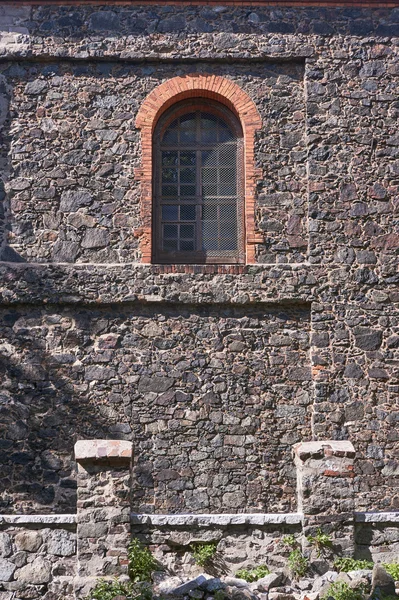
(198, 204)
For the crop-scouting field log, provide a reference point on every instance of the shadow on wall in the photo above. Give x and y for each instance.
(43, 411)
(65, 22)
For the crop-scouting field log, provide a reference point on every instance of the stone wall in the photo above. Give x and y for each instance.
(183, 383)
(75, 298)
(37, 557)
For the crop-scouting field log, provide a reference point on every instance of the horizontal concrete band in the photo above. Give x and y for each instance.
(376, 517)
(216, 519)
(44, 520)
(200, 519)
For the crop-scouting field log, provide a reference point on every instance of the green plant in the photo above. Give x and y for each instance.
(321, 541)
(351, 564)
(290, 541)
(203, 553)
(392, 569)
(252, 575)
(297, 563)
(342, 591)
(107, 590)
(141, 561)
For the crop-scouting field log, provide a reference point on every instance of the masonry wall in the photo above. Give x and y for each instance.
(75, 298)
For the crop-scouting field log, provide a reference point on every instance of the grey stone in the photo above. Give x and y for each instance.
(72, 200)
(65, 251)
(155, 384)
(104, 20)
(95, 238)
(382, 584)
(35, 573)
(236, 582)
(5, 545)
(36, 87)
(188, 586)
(268, 582)
(92, 530)
(172, 24)
(214, 584)
(61, 543)
(7, 570)
(367, 339)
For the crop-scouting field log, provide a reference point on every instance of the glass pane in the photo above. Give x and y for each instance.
(170, 245)
(187, 175)
(187, 158)
(187, 212)
(209, 244)
(169, 175)
(169, 190)
(209, 135)
(209, 212)
(187, 231)
(187, 190)
(225, 134)
(170, 231)
(228, 244)
(228, 212)
(209, 229)
(209, 175)
(227, 155)
(170, 135)
(169, 159)
(187, 245)
(208, 121)
(187, 128)
(210, 191)
(170, 212)
(209, 158)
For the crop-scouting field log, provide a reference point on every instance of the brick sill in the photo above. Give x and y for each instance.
(200, 269)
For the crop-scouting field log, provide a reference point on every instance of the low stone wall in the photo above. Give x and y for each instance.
(37, 557)
(242, 540)
(62, 556)
(377, 536)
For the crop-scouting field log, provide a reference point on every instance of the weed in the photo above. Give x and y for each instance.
(298, 563)
(251, 575)
(342, 591)
(290, 541)
(351, 564)
(321, 541)
(141, 561)
(392, 569)
(107, 590)
(203, 553)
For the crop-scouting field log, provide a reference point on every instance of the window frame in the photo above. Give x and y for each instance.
(196, 257)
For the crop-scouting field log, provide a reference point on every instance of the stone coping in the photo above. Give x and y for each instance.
(200, 519)
(207, 520)
(37, 519)
(305, 450)
(98, 450)
(377, 517)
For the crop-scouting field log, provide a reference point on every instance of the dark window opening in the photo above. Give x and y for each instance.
(198, 205)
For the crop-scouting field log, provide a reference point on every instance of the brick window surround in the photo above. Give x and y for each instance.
(201, 86)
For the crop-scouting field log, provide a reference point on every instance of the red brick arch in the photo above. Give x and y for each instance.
(157, 102)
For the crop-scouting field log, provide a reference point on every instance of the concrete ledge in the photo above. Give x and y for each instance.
(100, 450)
(377, 517)
(305, 450)
(44, 520)
(206, 520)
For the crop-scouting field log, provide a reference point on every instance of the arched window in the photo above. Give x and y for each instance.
(198, 201)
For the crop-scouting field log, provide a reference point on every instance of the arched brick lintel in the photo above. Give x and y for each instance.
(157, 102)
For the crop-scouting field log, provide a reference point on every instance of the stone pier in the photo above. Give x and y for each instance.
(103, 508)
